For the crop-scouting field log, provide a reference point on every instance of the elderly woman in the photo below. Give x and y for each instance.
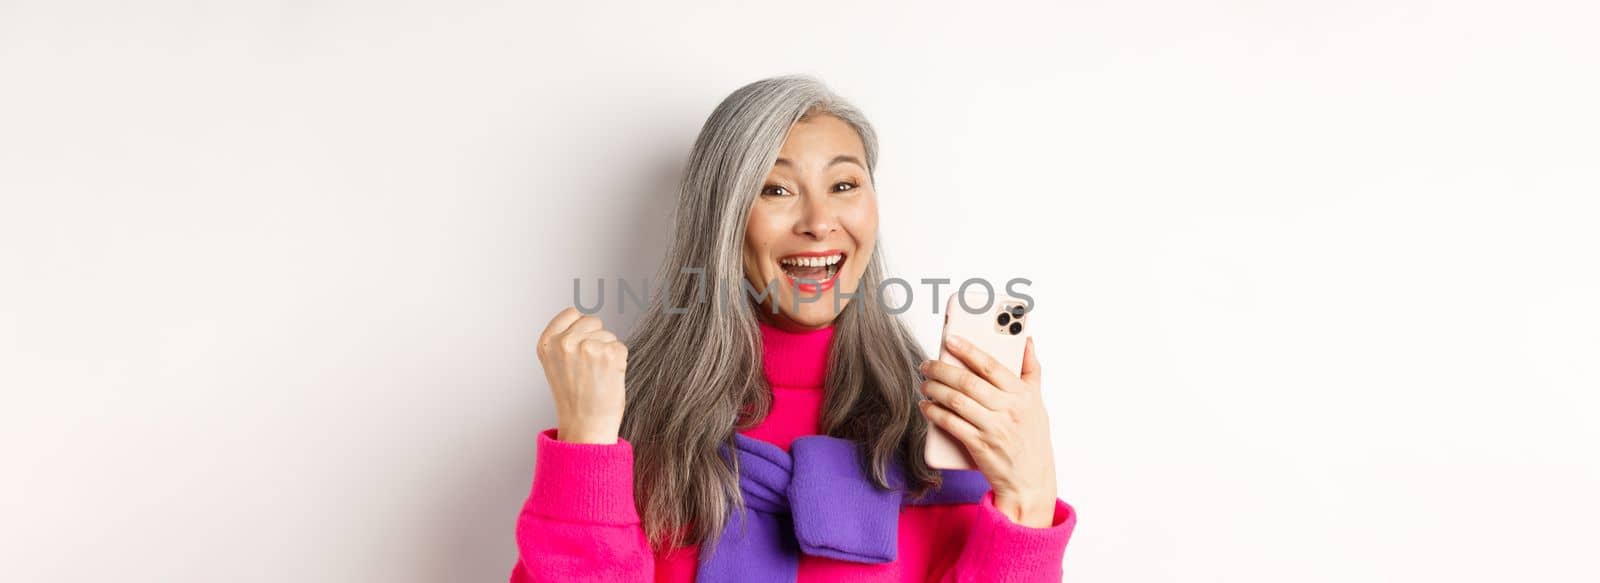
(744, 431)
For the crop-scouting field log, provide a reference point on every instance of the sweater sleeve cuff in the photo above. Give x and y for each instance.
(1032, 553)
(583, 482)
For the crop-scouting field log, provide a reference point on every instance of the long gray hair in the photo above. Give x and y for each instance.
(694, 359)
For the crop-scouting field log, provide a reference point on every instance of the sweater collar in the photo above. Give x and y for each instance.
(795, 359)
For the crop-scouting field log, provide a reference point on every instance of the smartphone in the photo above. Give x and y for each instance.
(1000, 330)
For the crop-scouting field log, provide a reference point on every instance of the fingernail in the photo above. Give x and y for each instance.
(923, 366)
(957, 341)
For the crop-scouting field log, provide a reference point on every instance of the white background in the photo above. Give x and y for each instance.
(1317, 280)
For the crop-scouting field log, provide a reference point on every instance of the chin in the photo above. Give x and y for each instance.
(816, 314)
(813, 315)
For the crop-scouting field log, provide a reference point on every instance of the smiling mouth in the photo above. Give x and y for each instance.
(812, 273)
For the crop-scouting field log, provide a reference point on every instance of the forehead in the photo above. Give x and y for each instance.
(820, 138)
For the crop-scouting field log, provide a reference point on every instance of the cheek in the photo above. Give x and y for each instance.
(754, 252)
(861, 221)
(758, 237)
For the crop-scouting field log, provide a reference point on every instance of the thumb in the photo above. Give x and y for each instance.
(1030, 363)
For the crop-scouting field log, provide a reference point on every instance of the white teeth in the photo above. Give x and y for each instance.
(812, 261)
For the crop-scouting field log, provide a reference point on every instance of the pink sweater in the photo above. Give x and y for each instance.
(580, 522)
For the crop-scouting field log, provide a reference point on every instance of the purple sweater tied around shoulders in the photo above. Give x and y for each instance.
(815, 499)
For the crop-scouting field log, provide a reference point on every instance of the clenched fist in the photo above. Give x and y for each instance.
(585, 365)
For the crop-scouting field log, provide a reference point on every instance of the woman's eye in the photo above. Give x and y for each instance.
(775, 190)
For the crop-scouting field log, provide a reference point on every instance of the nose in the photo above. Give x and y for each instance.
(817, 219)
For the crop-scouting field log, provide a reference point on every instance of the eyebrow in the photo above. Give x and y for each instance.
(836, 160)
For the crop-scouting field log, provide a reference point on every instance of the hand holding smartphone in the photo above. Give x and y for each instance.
(1001, 331)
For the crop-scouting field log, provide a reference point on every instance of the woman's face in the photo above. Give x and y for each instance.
(816, 218)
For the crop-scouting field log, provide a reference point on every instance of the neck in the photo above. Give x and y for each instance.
(783, 322)
(795, 358)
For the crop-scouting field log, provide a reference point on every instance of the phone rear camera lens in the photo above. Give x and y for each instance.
(1016, 328)
(1016, 311)
(1004, 318)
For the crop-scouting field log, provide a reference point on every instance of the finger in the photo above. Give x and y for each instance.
(967, 383)
(951, 423)
(598, 348)
(569, 340)
(557, 325)
(584, 325)
(960, 378)
(975, 412)
(608, 344)
(982, 363)
(601, 335)
(602, 343)
(1030, 363)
